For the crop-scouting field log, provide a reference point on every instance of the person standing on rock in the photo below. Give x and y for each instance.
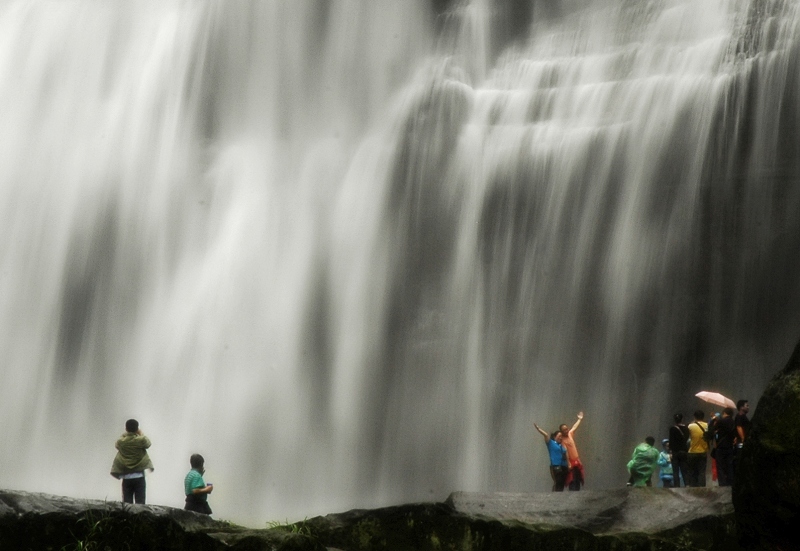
(742, 428)
(643, 463)
(575, 477)
(131, 462)
(678, 437)
(558, 458)
(667, 472)
(195, 487)
(725, 436)
(697, 458)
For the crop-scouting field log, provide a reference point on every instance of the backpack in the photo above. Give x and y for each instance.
(685, 437)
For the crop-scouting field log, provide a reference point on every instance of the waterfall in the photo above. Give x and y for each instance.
(350, 251)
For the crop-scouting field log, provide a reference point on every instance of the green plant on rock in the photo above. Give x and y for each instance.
(301, 527)
(367, 532)
(683, 541)
(94, 527)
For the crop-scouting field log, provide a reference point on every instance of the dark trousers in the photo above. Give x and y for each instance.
(559, 475)
(697, 469)
(680, 468)
(576, 480)
(133, 489)
(737, 455)
(198, 504)
(724, 457)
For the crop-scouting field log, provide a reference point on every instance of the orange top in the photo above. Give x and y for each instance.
(572, 450)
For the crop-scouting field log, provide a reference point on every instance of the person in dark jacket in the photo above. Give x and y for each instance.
(678, 445)
(724, 440)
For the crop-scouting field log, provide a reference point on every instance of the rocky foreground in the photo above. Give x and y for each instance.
(624, 519)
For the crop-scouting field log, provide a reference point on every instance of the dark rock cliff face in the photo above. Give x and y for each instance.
(624, 519)
(766, 490)
(41, 522)
(618, 520)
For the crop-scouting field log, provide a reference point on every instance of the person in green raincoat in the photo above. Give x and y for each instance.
(643, 463)
(131, 462)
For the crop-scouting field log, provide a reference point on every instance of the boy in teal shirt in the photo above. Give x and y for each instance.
(195, 488)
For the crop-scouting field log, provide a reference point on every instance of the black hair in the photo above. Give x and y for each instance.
(556, 433)
(650, 440)
(740, 403)
(196, 461)
(699, 415)
(131, 425)
(728, 411)
(678, 417)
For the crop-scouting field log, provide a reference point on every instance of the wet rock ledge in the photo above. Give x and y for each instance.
(625, 519)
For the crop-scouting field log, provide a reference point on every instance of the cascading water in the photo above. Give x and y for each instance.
(350, 251)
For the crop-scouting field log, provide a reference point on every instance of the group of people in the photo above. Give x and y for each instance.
(132, 461)
(685, 453)
(566, 468)
(684, 456)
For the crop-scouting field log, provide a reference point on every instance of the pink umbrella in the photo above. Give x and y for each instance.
(716, 398)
